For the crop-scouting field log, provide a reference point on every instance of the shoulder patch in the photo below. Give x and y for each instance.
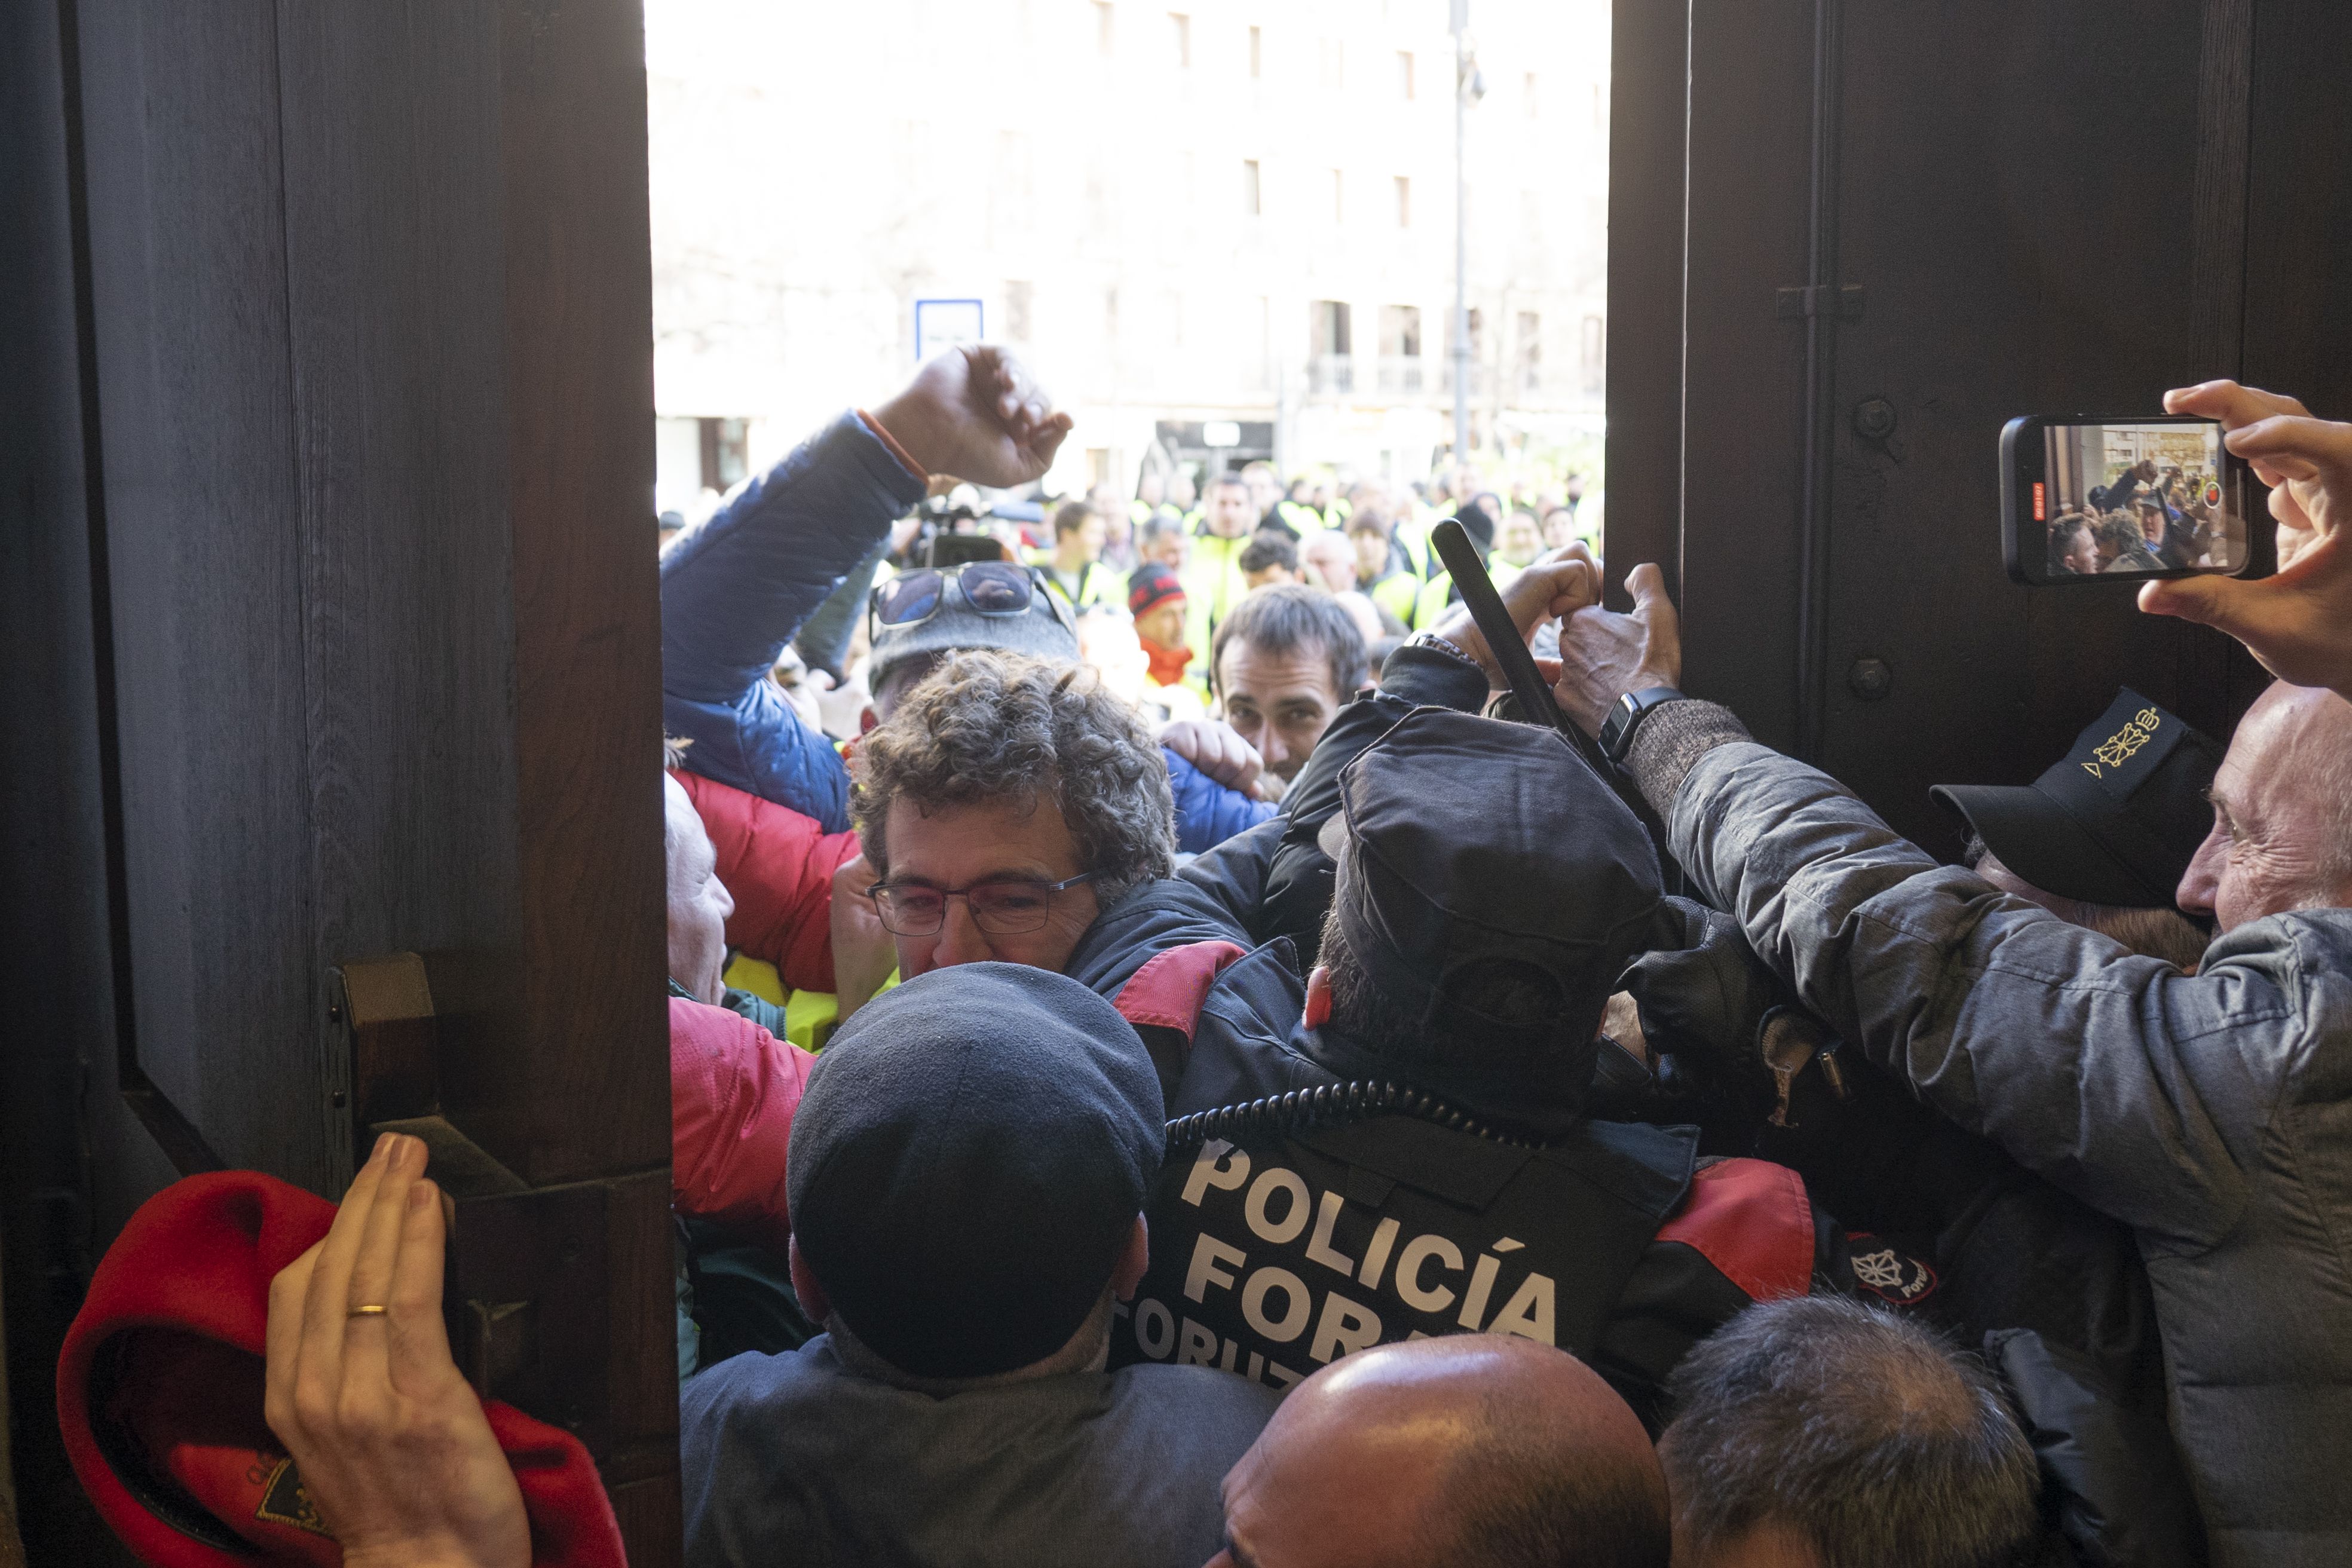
(1752, 1220)
(1168, 991)
(1894, 1277)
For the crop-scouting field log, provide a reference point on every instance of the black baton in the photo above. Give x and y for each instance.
(1510, 650)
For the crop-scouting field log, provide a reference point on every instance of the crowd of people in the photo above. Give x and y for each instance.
(2146, 519)
(1293, 1122)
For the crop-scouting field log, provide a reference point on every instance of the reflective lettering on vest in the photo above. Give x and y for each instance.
(1482, 1284)
(1408, 1288)
(1345, 1327)
(1376, 1256)
(1211, 1169)
(1528, 1312)
(1319, 1246)
(1155, 1330)
(1297, 1302)
(1271, 1180)
(1203, 1272)
(1304, 1248)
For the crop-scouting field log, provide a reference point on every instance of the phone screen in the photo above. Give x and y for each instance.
(2124, 499)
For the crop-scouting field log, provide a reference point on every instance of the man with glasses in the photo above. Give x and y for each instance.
(919, 618)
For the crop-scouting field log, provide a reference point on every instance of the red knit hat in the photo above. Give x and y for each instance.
(160, 1394)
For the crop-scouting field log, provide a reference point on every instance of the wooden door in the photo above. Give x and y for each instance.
(343, 422)
(1848, 242)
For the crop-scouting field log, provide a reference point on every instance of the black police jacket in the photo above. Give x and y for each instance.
(1290, 1230)
(1279, 1248)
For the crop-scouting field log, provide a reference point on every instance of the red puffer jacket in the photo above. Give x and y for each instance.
(779, 867)
(733, 1088)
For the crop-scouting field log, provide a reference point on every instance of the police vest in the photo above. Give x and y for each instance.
(1297, 1229)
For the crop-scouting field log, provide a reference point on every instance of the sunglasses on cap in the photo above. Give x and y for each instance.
(986, 587)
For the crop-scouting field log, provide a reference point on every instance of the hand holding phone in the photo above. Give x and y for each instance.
(2090, 498)
(2298, 622)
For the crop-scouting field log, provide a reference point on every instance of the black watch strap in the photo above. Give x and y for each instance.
(1617, 734)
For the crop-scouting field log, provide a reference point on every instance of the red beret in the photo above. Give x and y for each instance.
(160, 1395)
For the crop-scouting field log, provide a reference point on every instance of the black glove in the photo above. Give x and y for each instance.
(1703, 994)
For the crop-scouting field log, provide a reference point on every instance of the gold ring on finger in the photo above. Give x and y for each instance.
(367, 1311)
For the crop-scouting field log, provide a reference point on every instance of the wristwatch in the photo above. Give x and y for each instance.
(1444, 645)
(1617, 734)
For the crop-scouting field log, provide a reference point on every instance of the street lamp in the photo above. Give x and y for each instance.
(1469, 86)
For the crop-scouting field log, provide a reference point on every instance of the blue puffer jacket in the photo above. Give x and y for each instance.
(735, 590)
(1207, 812)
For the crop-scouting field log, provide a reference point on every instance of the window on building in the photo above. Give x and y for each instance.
(1327, 323)
(1020, 300)
(1404, 73)
(1250, 206)
(1338, 197)
(1261, 348)
(1180, 29)
(1330, 366)
(1104, 34)
(726, 452)
(1403, 202)
(1110, 315)
(1400, 332)
(1596, 354)
(1257, 55)
(1530, 345)
(1529, 99)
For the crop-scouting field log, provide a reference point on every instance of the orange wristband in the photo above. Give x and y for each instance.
(897, 451)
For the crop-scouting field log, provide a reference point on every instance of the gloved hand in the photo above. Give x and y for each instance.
(1702, 993)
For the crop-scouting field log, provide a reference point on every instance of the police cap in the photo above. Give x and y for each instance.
(967, 1162)
(1477, 849)
(2114, 820)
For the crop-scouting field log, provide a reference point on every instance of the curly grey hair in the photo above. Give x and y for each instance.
(987, 726)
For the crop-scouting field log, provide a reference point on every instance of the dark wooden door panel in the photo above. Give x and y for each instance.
(2024, 230)
(188, 297)
(366, 310)
(1938, 216)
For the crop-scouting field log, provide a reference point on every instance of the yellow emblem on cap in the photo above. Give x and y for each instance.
(2119, 747)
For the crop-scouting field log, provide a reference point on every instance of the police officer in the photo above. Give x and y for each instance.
(1441, 1175)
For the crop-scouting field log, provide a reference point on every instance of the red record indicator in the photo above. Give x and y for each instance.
(2213, 492)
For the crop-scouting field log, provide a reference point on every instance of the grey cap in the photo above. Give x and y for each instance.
(1041, 632)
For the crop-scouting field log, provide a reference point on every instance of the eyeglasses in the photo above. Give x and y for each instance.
(987, 587)
(1000, 908)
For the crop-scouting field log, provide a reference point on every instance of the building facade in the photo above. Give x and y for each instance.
(1218, 228)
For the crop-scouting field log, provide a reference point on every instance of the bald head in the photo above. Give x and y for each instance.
(698, 901)
(1473, 1450)
(2282, 837)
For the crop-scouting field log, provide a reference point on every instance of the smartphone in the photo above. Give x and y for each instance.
(2089, 497)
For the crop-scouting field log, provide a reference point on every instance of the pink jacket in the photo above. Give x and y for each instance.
(733, 1088)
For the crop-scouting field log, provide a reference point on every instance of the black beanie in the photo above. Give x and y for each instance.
(967, 1162)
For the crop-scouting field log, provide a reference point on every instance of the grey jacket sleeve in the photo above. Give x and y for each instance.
(2147, 1094)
